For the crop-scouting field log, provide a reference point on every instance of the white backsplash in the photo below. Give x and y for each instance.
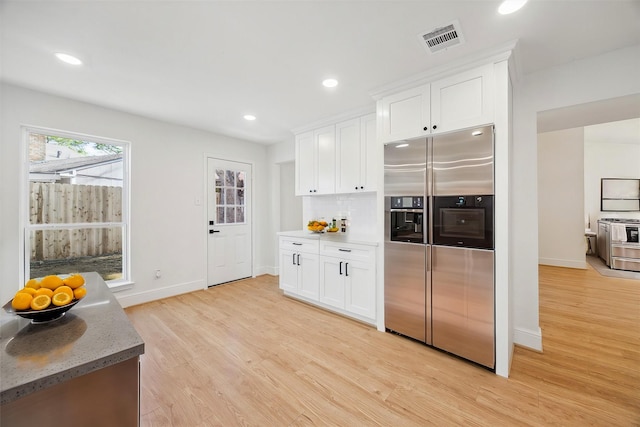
(358, 208)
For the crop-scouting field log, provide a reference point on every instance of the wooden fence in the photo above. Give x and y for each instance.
(52, 203)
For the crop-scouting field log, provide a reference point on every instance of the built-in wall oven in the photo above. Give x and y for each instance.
(406, 219)
(464, 221)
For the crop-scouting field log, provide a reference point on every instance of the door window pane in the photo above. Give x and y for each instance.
(230, 196)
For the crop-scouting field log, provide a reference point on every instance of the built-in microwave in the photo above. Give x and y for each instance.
(465, 221)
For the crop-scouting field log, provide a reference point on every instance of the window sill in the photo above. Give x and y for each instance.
(120, 285)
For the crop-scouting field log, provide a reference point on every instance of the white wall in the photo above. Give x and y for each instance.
(167, 165)
(291, 216)
(608, 156)
(602, 77)
(561, 198)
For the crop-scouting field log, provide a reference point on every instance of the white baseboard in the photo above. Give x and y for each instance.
(569, 263)
(272, 271)
(155, 294)
(528, 338)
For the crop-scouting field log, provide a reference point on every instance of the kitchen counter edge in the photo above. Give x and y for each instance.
(348, 237)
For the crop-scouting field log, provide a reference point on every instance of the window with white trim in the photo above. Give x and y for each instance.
(77, 209)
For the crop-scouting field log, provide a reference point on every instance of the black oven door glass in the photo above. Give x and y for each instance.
(407, 227)
(462, 223)
(465, 221)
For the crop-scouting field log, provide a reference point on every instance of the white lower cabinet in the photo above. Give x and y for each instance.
(299, 267)
(348, 285)
(338, 276)
(348, 278)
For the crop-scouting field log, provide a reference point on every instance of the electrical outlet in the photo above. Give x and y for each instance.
(158, 274)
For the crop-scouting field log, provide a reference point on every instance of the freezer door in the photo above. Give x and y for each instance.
(404, 289)
(463, 303)
(463, 162)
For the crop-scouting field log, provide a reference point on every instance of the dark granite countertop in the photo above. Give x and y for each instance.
(94, 334)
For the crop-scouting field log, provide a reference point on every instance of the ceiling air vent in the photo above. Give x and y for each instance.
(442, 38)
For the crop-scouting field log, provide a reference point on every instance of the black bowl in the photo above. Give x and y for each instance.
(41, 316)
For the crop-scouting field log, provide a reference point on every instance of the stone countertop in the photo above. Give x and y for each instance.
(348, 237)
(94, 334)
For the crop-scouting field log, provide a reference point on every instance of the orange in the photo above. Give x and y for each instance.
(22, 301)
(52, 282)
(30, 291)
(40, 302)
(64, 289)
(74, 281)
(44, 291)
(61, 298)
(80, 292)
(32, 283)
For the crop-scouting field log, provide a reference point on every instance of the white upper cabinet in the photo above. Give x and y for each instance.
(305, 169)
(315, 155)
(405, 114)
(356, 155)
(325, 139)
(339, 158)
(463, 100)
(456, 102)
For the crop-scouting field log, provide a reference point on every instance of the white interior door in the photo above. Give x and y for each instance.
(229, 240)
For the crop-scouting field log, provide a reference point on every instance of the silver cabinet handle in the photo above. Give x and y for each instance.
(298, 259)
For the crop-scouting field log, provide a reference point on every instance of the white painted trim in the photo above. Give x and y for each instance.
(527, 338)
(161, 293)
(569, 263)
(271, 271)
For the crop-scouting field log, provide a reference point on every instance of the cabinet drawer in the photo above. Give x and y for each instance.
(625, 264)
(625, 251)
(348, 251)
(299, 245)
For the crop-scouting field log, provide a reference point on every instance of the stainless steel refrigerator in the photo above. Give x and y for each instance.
(439, 242)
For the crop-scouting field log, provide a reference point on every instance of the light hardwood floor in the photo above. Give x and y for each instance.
(243, 354)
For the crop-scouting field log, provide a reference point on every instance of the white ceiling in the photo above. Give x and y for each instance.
(205, 64)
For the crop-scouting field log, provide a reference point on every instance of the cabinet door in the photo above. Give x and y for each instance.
(360, 288)
(370, 154)
(308, 275)
(332, 281)
(288, 271)
(349, 158)
(405, 114)
(305, 168)
(325, 141)
(463, 100)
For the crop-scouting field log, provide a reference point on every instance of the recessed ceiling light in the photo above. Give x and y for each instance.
(330, 83)
(510, 6)
(249, 117)
(402, 145)
(69, 59)
(476, 133)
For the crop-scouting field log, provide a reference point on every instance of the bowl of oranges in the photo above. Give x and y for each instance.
(47, 299)
(317, 226)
